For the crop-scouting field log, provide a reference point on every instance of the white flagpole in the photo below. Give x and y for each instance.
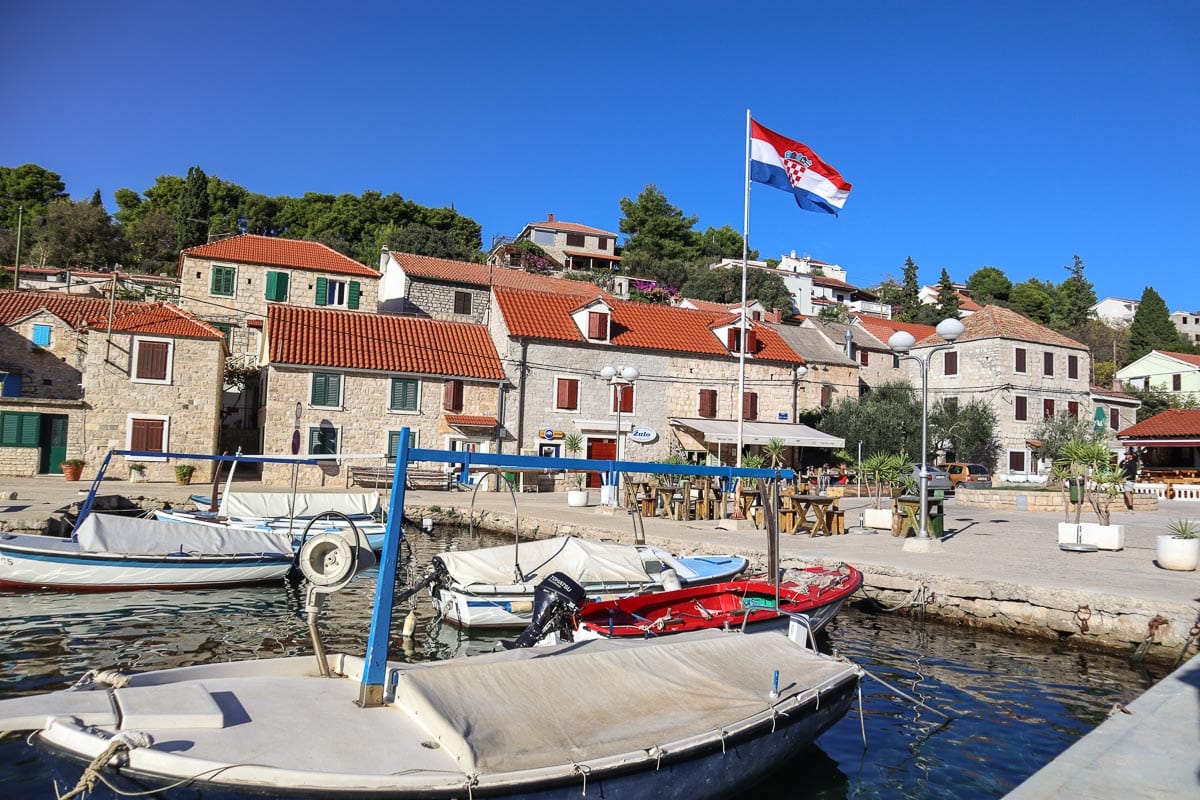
(741, 404)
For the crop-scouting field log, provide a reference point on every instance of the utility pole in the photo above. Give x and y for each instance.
(17, 266)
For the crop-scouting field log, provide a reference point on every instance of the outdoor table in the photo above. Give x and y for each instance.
(787, 513)
(909, 508)
(819, 504)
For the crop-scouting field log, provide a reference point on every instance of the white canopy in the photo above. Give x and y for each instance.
(110, 533)
(584, 561)
(308, 504)
(724, 431)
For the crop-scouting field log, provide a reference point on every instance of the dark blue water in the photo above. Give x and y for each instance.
(1015, 703)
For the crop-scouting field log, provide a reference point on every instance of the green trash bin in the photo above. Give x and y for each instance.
(937, 519)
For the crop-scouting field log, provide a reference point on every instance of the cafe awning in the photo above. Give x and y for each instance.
(724, 431)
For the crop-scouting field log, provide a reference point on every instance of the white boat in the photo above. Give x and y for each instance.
(293, 531)
(493, 587)
(696, 715)
(109, 552)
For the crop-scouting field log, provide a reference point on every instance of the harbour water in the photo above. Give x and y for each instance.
(1014, 704)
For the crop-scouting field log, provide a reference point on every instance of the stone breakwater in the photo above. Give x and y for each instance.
(1024, 500)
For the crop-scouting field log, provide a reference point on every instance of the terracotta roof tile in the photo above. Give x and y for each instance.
(485, 275)
(882, 329)
(997, 322)
(573, 227)
(75, 310)
(273, 251)
(1187, 358)
(381, 342)
(159, 319)
(1113, 393)
(825, 280)
(967, 304)
(709, 305)
(1174, 422)
(471, 421)
(536, 315)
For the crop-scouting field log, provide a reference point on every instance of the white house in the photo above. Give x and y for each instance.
(1115, 312)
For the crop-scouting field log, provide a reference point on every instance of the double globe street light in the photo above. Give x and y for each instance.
(620, 379)
(901, 342)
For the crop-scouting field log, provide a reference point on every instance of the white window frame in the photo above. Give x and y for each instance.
(1021, 371)
(166, 421)
(324, 456)
(481, 443)
(133, 371)
(414, 434)
(341, 391)
(578, 395)
(404, 411)
(342, 292)
(1025, 456)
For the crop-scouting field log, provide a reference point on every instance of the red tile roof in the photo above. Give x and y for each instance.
(471, 421)
(537, 315)
(275, 252)
(1103, 391)
(75, 310)
(882, 329)
(997, 322)
(589, 254)
(967, 304)
(1187, 358)
(573, 227)
(825, 280)
(380, 342)
(160, 319)
(1172, 423)
(485, 275)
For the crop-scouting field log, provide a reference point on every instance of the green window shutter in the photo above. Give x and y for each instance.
(404, 395)
(355, 291)
(277, 286)
(326, 389)
(322, 441)
(317, 397)
(393, 445)
(20, 429)
(222, 280)
(322, 288)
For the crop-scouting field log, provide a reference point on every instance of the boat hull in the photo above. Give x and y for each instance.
(58, 565)
(374, 532)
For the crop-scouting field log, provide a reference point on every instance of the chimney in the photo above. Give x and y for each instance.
(549, 218)
(849, 346)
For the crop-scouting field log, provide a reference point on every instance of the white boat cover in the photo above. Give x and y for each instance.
(109, 533)
(308, 504)
(642, 695)
(585, 561)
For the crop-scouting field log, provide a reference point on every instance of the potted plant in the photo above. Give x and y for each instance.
(1179, 549)
(579, 496)
(884, 469)
(137, 472)
(183, 474)
(72, 468)
(1090, 465)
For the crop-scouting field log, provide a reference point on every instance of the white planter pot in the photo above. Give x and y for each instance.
(1105, 537)
(1180, 554)
(577, 498)
(880, 518)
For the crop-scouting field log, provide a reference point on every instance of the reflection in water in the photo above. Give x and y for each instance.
(1016, 703)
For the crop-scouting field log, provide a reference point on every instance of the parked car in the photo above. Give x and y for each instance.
(971, 476)
(938, 479)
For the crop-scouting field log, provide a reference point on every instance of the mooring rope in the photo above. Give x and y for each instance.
(918, 596)
(124, 741)
(105, 677)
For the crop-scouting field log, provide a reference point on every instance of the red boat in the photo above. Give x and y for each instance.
(818, 592)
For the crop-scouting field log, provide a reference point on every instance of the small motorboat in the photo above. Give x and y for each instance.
(290, 529)
(493, 587)
(816, 592)
(107, 553)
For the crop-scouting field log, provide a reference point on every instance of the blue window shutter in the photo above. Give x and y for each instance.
(41, 335)
(322, 288)
(352, 298)
(12, 385)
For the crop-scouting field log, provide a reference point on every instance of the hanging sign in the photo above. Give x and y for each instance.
(550, 433)
(643, 435)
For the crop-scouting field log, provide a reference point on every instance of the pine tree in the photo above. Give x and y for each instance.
(909, 297)
(1152, 328)
(1074, 297)
(97, 200)
(192, 225)
(948, 302)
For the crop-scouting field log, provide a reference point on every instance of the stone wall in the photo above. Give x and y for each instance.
(1018, 500)
(436, 300)
(47, 372)
(191, 402)
(363, 420)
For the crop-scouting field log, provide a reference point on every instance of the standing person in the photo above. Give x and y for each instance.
(1129, 468)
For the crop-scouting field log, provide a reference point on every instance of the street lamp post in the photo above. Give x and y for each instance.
(619, 379)
(901, 342)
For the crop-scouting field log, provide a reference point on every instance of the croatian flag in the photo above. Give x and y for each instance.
(793, 167)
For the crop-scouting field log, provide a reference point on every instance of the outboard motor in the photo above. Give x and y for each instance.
(554, 599)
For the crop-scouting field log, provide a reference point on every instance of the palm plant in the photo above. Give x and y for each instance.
(1093, 462)
(886, 468)
(573, 444)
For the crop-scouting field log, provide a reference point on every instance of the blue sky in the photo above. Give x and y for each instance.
(1011, 134)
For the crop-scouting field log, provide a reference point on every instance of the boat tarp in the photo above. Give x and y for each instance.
(108, 533)
(307, 504)
(588, 703)
(584, 561)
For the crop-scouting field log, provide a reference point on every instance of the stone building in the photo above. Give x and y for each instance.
(1113, 411)
(830, 376)
(687, 362)
(348, 382)
(232, 281)
(457, 290)
(569, 245)
(1024, 371)
(75, 388)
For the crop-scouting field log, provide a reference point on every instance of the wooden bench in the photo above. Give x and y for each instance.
(429, 479)
(371, 476)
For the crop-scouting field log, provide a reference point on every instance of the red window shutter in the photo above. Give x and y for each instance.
(1019, 410)
(1047, 408)
(951, 363)
(623, 397)
(750, 405)
(152, 361)
(568, 394)
(452, 396)
(1073, 408)
(597, 325)
(826, 395)
(708, 403)
(1072, 367)
(864, 357)
(733, 339)
(1048, 363)
(146, 434)
(1020, 367)
(751, 342)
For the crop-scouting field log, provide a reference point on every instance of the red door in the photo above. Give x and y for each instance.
(603, 449)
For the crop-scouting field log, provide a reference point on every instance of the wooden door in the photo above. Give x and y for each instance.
(603, 449)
